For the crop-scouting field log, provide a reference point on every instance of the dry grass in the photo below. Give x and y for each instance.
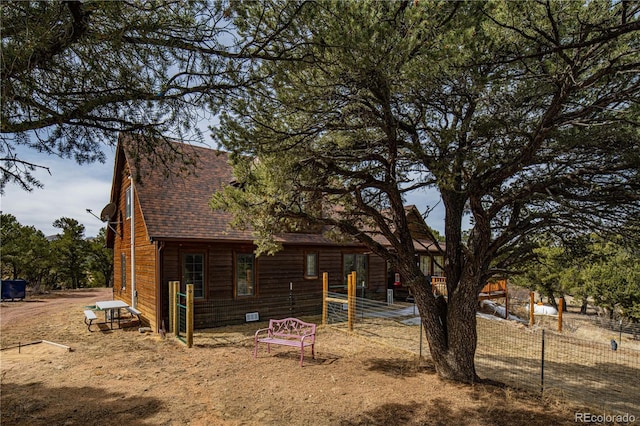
(125, 377)
(585, 373)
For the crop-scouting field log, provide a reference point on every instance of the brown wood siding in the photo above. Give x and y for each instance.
(146, 281)
(275, 274)
(168, 272)
(145, 259)
(377, 276)
(122, 245)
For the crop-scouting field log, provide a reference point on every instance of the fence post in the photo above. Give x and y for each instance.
(325, 294)
(189, 324)
(173, 289)
(506, 300)
(421, 332)
(349, 296)
(542, 366)
(172, 306)
(560, 309)
(176, 313)
(532, 320)
(290, 298)
(620, 336)
(354, 291)
(351, 299)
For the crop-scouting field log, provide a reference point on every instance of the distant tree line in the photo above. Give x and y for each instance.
(604, 272)
(67, 260)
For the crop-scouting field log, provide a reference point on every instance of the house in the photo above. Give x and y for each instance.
(162, 229)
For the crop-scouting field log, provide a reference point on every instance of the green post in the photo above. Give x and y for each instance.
(174, 286)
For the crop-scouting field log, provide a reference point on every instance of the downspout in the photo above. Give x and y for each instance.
(134, 293)
(159, 325)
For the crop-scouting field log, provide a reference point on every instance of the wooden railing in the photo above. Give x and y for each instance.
(492, 289)
(439, 286)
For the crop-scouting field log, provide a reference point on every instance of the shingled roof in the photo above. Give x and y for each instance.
(176, 207)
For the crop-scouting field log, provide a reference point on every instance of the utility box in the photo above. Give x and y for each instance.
(13, 289)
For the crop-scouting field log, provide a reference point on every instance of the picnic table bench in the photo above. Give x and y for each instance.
(110, 313)
(134, 313)
(89, 316)
(287, 332)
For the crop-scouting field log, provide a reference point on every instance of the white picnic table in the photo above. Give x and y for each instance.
(113, 308)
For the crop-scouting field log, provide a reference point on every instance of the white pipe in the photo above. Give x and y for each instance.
(133, 246)
(543, 309)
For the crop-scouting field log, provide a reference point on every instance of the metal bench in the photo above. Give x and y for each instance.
(134, 312)
(89, 317)
(287, 332)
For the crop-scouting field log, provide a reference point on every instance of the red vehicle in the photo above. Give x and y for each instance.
(394, 283)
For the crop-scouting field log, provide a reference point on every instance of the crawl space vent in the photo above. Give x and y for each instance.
(252, 316)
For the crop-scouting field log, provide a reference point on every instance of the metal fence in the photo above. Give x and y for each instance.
(216, 313)
(618, 325)
(578, 366)
(578, 370)
(181, 312)
(586, 372)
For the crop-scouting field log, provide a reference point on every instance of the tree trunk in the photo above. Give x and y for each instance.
(583, 308)
(451, 332)
(563, 306)
(450, 325)
(553, 301)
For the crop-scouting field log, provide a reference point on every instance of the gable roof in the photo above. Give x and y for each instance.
(176, 207)
(418, 229)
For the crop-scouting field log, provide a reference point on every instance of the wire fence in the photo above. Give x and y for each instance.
(221, 312)
(581, 365)
(578, 365)
(573, 369)
(618, 325)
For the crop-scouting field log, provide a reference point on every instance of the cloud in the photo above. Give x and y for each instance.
(69, 191)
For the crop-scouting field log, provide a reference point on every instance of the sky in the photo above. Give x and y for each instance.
(71, 189)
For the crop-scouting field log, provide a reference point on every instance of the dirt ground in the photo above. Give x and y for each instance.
(127, 377)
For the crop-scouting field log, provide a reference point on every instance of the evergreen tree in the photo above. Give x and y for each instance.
(25, 253)
(76, 73)
(71, 251)
(100, 263)
(522, 115)
(613, 280)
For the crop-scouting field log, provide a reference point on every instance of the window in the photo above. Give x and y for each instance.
(193, 272)
(123, 270)
(127, 202)
(245, 274)
(311, 265)
(438, 266)
(358, 263)
(425, 264)
(432, 265)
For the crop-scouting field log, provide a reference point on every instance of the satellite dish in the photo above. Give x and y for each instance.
(108, 212)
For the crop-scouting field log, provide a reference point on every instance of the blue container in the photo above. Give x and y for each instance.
(13, 289)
